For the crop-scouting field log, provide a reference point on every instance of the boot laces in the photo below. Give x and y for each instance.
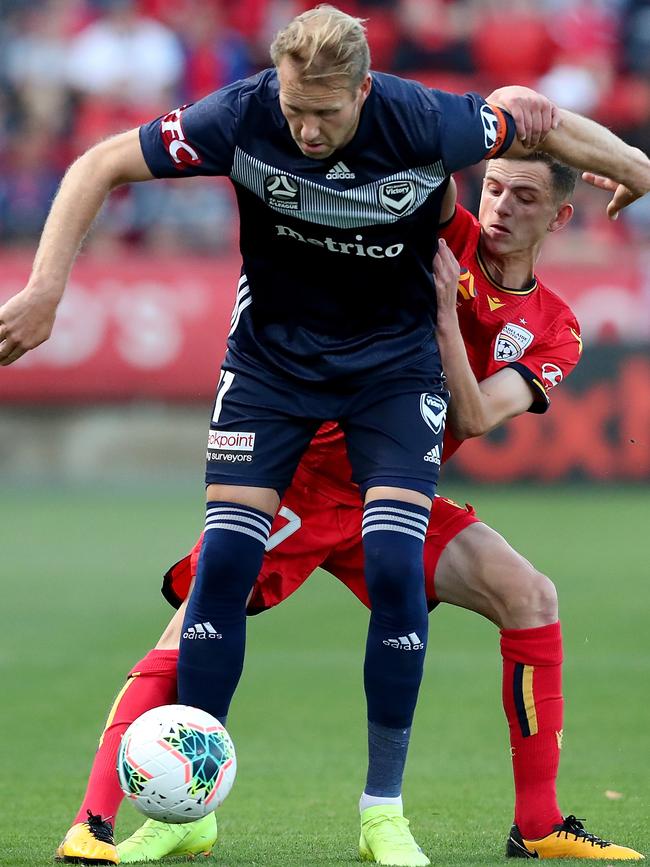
(393, 830)
(574, 826)
(101, 829)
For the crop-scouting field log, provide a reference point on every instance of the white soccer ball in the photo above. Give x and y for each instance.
(176, 763)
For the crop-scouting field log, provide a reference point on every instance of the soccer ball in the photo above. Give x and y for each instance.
(176, 763)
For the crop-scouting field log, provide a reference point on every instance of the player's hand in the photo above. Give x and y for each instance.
(534, 115)
(622, 196)
(26, 321)
(446, 272)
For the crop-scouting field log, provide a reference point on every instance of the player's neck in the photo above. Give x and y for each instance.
(510, 270)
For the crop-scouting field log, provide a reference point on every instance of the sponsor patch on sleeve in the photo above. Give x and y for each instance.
(182, 153)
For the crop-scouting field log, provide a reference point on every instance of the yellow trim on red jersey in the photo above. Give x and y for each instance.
(526, 291)
(466, 285)
(539, 385)
(578, 338)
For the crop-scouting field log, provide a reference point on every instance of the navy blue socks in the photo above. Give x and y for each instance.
(393, 541)
(213, 638)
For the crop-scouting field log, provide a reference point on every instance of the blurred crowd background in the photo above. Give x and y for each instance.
(125, 382)
(74, 71)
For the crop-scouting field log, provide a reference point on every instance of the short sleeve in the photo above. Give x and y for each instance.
(551, 362)
(196, 139)
(470, 130)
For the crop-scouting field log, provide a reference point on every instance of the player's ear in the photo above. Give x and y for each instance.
(365, 87)
(562, 217)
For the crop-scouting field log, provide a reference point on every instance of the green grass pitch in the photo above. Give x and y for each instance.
(80, 604)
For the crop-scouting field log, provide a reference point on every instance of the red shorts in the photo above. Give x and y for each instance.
(312, 530)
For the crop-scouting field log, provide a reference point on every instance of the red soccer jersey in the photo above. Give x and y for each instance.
(531, 330)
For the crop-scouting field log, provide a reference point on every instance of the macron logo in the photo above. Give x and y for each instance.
(201, 631)
(340, 172)
(405, 642)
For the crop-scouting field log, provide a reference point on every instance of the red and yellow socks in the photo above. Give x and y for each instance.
(533, 703)
(150, 683)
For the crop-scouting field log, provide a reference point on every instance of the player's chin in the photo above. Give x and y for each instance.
(317, 152)
(498, 244)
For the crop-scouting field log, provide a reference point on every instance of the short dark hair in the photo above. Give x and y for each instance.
(563, 177)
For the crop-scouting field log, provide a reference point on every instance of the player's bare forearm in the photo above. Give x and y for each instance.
(26, 320)
(466, 416)
(82, 193)
(585, 144)
(534, 114)
(476, 407)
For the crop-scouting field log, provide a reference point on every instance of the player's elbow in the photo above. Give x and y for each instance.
(114, 161)
(469, 426)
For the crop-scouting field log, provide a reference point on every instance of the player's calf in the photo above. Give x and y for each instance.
(214, 630)
(480, 571)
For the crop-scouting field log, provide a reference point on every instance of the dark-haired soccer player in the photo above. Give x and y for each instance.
(506, 340)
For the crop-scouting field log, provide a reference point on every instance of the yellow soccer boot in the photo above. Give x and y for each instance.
(568, 840)
(155, 840)
(386, 839)
(89, 842)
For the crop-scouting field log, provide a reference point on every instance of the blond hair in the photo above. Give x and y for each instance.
(325, 43)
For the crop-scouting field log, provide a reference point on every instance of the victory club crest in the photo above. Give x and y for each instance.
(397, 197)
(434, 410)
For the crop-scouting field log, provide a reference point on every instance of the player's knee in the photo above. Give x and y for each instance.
(394, 582)
(531, 599)
(223, 573)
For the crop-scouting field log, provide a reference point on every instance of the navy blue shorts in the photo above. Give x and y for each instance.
(393, 424)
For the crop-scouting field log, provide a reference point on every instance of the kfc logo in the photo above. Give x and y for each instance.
(171, 130)
(552, 375)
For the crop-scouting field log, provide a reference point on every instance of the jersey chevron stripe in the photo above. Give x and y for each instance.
(342, 209)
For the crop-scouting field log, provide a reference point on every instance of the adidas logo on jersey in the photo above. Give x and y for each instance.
(340, 172)
(433, 456)
(201, 631)
(405, 642)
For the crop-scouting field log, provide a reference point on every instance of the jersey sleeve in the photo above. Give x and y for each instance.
(470, 130)
(195, 139)
(550, 362)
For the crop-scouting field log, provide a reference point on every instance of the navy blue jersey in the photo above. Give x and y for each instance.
(337, 253)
